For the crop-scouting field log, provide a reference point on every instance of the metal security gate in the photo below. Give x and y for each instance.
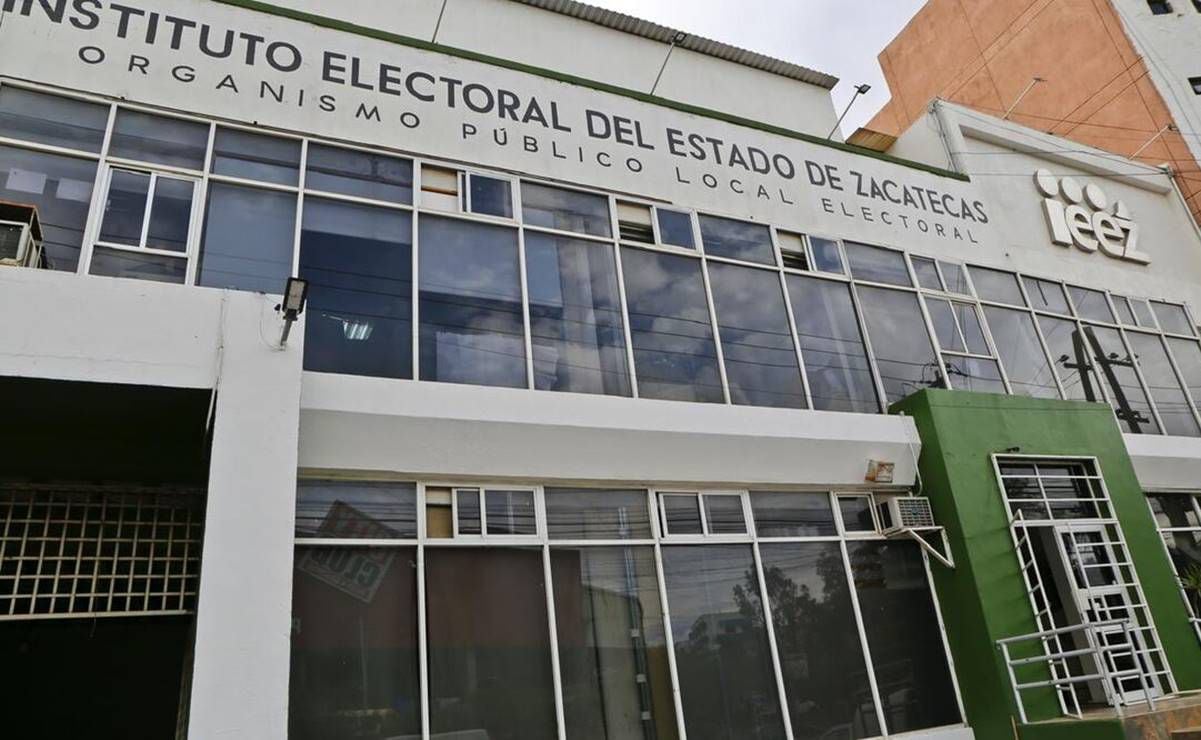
(76, 551)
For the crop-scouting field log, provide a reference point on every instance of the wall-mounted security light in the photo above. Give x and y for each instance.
(296, 294)
(679, 37)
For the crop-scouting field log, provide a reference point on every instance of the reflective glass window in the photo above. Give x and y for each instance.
(490, 672)
(723, 514)
(51, 119)
(248, 236)
(792, 514)
(954, 277)
(1072, 359)
(491, 196)
(150, 138)
(256, 156)
(510, 512)
(1170, 399)
(125, 208)
(1172, 318)
(170, 214)
(575, 316)
(675, 228)
(903, 635)
(1091, 304)
(681, 513)
(727, 682)
(996, 285)
(469, 517)
(927, 273)
(1184, 549)
(821, 657)
(472, 326)
(61, 188)
(138, 265)
(877, 264)
(1174, 510)
(361, 174)
(596, 514)
(675, 356)
(131, 194)
(359, 263)
(1142, 312)
(942, 318)
(832, 348)
(900, 342)
(1125, 314)
(725, 237)
(1187, 354)
(969, 326)
(856, 512)
(756, 338)
(344, 509)
(1126, 394)
(612, 644)
(976, 374)
(826, 256)
(1046, 295)
(566, 210)
(1021, 353)
(354, 673)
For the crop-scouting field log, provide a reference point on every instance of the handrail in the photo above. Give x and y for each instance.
(1101, 653)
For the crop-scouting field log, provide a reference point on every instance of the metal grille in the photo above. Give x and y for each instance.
(94, 552)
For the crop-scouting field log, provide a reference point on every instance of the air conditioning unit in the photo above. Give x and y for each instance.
(902, 513)
(20, 236)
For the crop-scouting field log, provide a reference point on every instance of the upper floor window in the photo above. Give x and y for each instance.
(1195, 82)
(1160, 7)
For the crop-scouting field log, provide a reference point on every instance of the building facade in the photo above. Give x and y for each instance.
(613, 406)
(1119, 75)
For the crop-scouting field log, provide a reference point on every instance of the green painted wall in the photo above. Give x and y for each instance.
(984, 598)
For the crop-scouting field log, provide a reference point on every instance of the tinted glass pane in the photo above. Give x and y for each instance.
(792, 514)
(1090, 304)
(756, 338)
(825, 674)
(467, 504)
(1126, 393)
(1188, 358)
(724, 514)
(510, 512)
(899, 340)
(61, 188)
(359, 264)
(825, 255)
(969, 326)
(1170, 399)
(856, 513)
(724, 237)
(50, 119)
(355, 509)
(472, 328)
(150, 138)
(840, 378)
(567, 210)
(489, 644)
(125, 208)
(1172, 318)
(1071, 358)
(248, 235)
(674, 354)
(877, 264)
(352, 172)
(954, 277)
(1142, 312)
(491, 196)
(1174, 510)
(575, 316)
(682, 513)
(1021, 353)
(994, 285)
(943, 320)
(122, 263)
(256, 157)
(354, 645)
(612, 645)
(722, 656)
(170, 214)
(1125, 314)
(927, 273)
(675, 228)
(974, 374)
(1184, 548)
(903, 635)
(1046, 295)
(596, 514)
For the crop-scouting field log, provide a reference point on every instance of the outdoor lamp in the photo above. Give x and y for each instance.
(296, 292)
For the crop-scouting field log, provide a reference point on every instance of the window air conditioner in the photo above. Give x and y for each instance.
(20, 236)
(902, 513)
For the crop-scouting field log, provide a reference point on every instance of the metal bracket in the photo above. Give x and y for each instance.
(947, 560)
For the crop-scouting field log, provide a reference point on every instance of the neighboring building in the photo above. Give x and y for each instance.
(1115, 75)
(605, 405)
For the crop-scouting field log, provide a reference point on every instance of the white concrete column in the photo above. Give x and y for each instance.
(240, 674)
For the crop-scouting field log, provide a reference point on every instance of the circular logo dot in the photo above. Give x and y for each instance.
(1096, 196)
(1071, 190)
(1046, 183)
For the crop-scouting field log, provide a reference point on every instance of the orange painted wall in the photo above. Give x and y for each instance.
(983, 53)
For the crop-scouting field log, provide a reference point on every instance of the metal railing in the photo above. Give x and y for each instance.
(1102, 652)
